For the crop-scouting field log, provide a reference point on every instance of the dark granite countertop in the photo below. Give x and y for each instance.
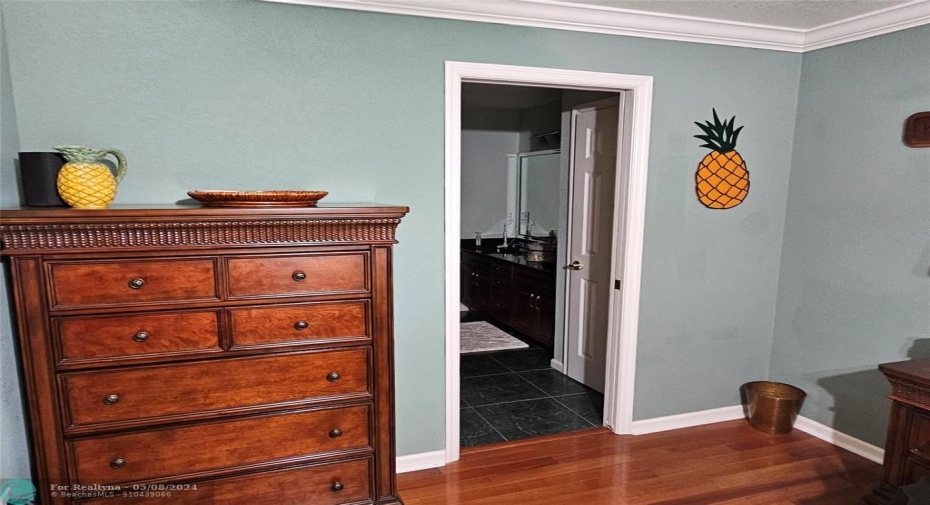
(519, 259)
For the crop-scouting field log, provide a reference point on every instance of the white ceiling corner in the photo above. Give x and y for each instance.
(752, 26)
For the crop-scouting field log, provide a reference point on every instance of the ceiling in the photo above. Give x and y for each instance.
(800, 14)
(496, 96)
(780, 25)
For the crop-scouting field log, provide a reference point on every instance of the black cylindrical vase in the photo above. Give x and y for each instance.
(38, 174)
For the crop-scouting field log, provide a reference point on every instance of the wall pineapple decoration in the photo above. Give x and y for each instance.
(721, 180)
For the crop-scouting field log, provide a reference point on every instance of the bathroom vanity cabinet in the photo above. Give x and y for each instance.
(507, 289)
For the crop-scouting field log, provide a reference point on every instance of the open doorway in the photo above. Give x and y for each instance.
(537, 172)
(626, 246)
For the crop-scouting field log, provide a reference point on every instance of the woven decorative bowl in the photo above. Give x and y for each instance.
(271, 198)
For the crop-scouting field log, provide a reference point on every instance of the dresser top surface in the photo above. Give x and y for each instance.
(917, 370)
(197, 211)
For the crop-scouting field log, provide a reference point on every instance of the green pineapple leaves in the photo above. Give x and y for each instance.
(720, 137)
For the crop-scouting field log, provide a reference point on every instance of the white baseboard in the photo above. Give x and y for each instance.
(687, 420)
(839, 439)
(809, 426)
(421, 461)
(436, 459)
(557, 365)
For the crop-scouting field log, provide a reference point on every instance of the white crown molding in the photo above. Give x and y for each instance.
(892, 19)
(594, 19)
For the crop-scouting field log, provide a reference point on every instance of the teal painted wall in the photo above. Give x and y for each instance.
(855, 275)
(254, 95)
(14, 457)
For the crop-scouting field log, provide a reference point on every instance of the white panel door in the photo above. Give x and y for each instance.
(594, 164)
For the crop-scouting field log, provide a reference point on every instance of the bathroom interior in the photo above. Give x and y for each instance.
(516, 162)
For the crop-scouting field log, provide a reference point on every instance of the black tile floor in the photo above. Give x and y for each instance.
(510, 395)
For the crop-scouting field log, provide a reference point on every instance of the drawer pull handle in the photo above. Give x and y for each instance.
(118, 463)
(299, 275)
(335, 433)
(336, 487)
(333, 376)
(111, 399)
(142, 336)
(301, 325)
(137, 283)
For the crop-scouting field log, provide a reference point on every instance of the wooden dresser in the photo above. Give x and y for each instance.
(907, 447)
(191, 355)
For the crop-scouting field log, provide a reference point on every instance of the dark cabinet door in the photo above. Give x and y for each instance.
(502, 301)
(545, 320)
(468, 290)
(481, 287)
(525, 313)
(476, 277)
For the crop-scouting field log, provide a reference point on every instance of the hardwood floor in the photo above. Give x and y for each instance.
(724, 463)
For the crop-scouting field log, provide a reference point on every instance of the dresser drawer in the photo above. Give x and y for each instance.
(326, 484)
(103, 283)
(310, 274)
(169, 390)
(300, 323)
(919, 438)
(915, 469)
(138, 335)
(174, 452)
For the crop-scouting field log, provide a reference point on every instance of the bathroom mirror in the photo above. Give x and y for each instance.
(537, 195)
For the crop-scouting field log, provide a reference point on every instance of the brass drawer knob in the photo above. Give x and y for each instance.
(299, 275)
(336, 487)
(333, 376)
(118, 463)
(301, 325)
(335, 433)
(137, 283)
(111, 399)
(142, 336)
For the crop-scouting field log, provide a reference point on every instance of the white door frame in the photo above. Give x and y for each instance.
(632, 171)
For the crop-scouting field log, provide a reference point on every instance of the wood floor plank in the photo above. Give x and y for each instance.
(721, 464)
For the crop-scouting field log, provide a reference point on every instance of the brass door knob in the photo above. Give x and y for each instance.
(575, 265)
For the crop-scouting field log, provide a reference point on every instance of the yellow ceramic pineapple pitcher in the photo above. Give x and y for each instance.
(85, 182)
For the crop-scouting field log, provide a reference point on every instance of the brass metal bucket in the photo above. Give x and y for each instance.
(772, 406)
